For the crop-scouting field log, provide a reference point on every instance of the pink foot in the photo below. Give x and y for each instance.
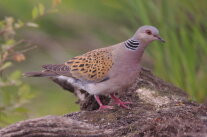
(120, 103)
(100, 103)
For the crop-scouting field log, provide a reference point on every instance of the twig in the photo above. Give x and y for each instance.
(28, 49)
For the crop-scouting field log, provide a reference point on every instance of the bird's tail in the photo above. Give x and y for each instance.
(39, 74)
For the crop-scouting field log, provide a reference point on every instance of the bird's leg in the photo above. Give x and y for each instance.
(119, 102)
(101, 106)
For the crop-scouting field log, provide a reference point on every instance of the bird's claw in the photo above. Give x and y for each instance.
(123, 104)
(105, 107)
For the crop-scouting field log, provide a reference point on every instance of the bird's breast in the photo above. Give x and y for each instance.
(125, 75)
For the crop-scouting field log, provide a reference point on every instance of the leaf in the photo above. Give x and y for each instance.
(32, 24)
(24, 93)
(8, 44)
(41, 9)
(19, 24)
(6, 65)
(15, 75)
(35, 12)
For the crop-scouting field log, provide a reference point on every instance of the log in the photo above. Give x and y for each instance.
(159, 109)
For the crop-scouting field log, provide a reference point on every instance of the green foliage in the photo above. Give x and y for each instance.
(182, 24)
(38, 10)
(13, 92)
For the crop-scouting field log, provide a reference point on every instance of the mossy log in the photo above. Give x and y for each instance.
(159, 109)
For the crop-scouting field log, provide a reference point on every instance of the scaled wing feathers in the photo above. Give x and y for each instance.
(93, 66)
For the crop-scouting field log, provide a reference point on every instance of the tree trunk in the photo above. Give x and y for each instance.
(159, 109)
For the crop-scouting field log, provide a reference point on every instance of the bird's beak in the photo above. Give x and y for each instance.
(159, 38)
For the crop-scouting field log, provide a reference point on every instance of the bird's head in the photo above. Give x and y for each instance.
(147, 34)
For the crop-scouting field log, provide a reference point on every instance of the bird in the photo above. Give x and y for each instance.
(104, 71)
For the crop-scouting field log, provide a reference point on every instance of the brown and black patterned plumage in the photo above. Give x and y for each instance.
(92, 66)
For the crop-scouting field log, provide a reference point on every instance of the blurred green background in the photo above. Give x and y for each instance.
(80, 26)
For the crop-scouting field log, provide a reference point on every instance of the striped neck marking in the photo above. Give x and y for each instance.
(131, 44)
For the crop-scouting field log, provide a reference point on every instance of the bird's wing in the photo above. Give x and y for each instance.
(93, 66)
(58, 69)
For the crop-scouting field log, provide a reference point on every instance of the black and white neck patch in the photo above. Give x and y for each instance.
(131, 44)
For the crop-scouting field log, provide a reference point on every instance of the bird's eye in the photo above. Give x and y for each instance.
(148, 32)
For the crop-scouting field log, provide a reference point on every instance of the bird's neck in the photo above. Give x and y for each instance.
(136, 48)
(132, 44)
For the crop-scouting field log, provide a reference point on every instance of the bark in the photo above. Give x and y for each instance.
(159, 109)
